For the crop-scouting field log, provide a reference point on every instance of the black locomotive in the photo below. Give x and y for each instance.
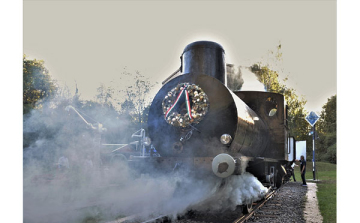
(196, 121)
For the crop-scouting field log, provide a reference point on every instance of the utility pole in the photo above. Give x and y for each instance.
(314, 152)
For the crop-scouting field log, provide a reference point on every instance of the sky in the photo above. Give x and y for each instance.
(88, 43)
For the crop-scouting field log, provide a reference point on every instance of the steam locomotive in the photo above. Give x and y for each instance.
(196, 122)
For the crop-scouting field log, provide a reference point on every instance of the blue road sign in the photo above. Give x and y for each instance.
(312, 118)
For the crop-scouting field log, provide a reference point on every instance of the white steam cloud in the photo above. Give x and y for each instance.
(64, 200)
(251, 83)
(85, 188)
(242, 78)
(237, 190)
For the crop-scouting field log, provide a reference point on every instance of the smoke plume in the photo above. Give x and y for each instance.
(242, 78)
(69, 178)
(237, 190)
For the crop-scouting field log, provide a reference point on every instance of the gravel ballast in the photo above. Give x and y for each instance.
(287, 206)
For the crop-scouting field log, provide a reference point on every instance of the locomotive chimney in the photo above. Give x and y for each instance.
(204, 57)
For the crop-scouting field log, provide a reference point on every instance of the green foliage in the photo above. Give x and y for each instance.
(331, 154)
(326, 144)
(327, 122)
(37, 84)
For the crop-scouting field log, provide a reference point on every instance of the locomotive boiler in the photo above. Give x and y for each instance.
(196, 122)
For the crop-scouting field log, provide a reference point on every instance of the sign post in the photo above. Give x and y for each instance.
(312, 118)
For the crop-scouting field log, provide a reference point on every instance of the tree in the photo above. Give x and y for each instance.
(37, 84)
(105, 94)
(327, 122)
(136, 98)
(326, 144)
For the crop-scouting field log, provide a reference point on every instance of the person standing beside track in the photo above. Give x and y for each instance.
(303, 169)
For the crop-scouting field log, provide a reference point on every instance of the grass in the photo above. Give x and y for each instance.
(326, 173)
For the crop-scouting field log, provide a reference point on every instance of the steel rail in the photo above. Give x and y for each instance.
(262, 203)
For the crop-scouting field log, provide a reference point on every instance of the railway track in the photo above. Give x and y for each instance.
(256, 207)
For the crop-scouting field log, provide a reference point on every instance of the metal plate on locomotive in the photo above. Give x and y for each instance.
(185, 104)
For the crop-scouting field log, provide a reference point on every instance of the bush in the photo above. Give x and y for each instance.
(330, 155)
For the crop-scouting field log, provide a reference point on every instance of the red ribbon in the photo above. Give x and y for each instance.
(177, 100)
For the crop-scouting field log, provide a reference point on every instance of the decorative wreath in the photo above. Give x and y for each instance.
(185, 104)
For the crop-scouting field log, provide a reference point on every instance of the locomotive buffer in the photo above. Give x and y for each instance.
(312, 118)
